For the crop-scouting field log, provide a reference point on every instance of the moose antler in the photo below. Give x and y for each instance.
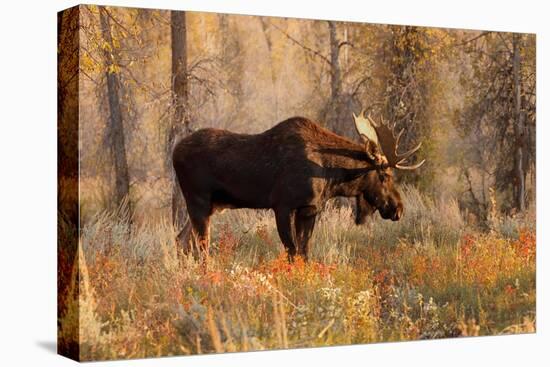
(382, 135)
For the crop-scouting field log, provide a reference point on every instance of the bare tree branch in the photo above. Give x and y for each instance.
(295, 41)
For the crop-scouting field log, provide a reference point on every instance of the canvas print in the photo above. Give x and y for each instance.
(232, 183)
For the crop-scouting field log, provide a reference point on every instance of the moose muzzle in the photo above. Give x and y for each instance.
(397, 213)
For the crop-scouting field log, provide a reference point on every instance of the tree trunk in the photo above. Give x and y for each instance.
(519, 180)
(269, 44)
(335, 81)
(180, 93)
(116, 127)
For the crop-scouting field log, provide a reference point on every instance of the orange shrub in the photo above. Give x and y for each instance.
(526, 245)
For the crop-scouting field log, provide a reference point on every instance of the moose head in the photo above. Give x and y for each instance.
(381, 146)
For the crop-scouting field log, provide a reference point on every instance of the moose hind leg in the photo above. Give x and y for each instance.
(284, 218)
(185, 239)
(201, 229)
(305, 222)
(199, 216)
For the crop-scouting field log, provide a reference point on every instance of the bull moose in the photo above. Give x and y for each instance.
(293, 169)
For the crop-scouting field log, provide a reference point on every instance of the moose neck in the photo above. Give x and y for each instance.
(350, 183)
(346, 171)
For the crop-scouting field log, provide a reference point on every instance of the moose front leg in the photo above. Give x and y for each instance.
(305, 222)
(284, 217)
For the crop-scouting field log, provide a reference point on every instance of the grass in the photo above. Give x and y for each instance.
(428, 276)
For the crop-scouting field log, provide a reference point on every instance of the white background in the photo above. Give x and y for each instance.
(28, 182)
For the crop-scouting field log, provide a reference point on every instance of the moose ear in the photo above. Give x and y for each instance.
(372, 150)
(364, 128)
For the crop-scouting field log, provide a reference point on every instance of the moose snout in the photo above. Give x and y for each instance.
(398, 213)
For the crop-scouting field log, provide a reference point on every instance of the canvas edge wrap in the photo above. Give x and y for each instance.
(68, 285)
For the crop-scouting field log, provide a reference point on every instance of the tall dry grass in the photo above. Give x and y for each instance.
(428, 276)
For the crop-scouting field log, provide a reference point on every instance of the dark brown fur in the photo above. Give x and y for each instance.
(292, 168)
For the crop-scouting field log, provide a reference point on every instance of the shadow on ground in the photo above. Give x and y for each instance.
(49, 345)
